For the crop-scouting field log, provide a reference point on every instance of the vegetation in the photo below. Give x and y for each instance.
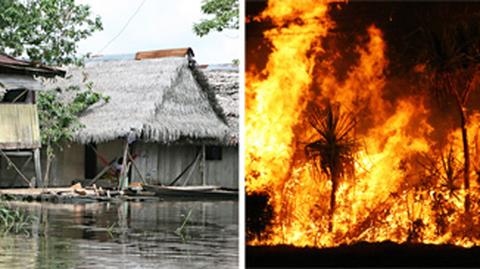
(225, 16)
(59, 118)
(452, 63)
(48, 31)
(182, 231)
(334, 150)
(14, 220)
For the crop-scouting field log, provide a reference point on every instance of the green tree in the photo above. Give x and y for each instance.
(48, 31)
(59, 118)
(225, 16)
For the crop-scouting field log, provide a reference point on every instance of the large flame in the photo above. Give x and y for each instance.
(396, 191)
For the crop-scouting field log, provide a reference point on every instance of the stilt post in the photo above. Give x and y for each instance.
(38, 168)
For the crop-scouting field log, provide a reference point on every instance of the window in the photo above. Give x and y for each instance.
(213, 153)
(17, 96)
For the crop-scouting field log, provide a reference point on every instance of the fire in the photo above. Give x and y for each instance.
(393, 190)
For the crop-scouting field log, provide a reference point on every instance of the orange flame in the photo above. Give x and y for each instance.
(385, 198)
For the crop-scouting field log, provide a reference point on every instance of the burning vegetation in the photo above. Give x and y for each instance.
(348, 145)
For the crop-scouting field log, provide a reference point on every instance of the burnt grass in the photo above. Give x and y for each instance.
(383, 254)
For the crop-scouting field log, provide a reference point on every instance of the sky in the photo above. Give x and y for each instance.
(159, 24)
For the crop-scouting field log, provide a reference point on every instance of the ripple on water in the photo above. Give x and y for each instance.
(125, 235)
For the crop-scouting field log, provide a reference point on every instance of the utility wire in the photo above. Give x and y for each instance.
(123, 28)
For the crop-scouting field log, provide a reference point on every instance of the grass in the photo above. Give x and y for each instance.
(14, 221)
(110, 229)
(181, 231)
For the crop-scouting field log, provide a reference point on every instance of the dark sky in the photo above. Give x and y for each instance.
(401, 22)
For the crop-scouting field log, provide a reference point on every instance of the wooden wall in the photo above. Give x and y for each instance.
(68, 165)
(224, 172)
(9, 178)
(161, 164)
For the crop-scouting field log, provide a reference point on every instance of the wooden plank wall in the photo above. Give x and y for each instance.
(224, 172)
(9, 178)
(69, 164)
(160, 164)
(19, 125)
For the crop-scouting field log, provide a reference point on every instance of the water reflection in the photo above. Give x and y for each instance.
(126, 235)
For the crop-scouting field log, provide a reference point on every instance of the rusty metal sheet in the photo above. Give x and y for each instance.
(19, 126)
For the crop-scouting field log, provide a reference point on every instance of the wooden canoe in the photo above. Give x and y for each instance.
(193, 192)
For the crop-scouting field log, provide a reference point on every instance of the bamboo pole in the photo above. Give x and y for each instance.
(38, 168)
(189, 175)
(136, 168)
(203, 167)
(124, 166)
(104, 170)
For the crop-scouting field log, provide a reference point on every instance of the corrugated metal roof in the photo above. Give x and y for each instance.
(152, 54)
(5, 59)
(12, 65)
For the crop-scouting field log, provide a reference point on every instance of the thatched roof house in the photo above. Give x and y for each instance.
(157, 100)
(182, 118)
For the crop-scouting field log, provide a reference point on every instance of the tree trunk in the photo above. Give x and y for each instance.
(462, 110)
(466, 156)
(332, 201)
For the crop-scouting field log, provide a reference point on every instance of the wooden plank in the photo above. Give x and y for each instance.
(18, 153)
(13, 81)
(180, 52)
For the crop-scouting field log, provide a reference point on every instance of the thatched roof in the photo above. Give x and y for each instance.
(225, 83)
(156, 100)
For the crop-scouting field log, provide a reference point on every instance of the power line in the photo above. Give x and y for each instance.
(124, 27)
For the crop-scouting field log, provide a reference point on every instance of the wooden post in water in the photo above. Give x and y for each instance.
(38, 168)
(123, 172)
(203, 167)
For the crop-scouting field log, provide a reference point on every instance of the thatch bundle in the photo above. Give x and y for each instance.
(157, 100)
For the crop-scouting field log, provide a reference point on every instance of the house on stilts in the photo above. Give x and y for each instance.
(179, 120)
(19, 127)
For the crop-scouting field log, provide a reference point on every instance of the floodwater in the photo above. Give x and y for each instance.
(125, 235)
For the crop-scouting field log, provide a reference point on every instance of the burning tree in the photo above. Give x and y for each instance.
(334, 150)
(452, 61)
(360, 175)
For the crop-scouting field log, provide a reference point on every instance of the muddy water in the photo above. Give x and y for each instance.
(125, 235)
